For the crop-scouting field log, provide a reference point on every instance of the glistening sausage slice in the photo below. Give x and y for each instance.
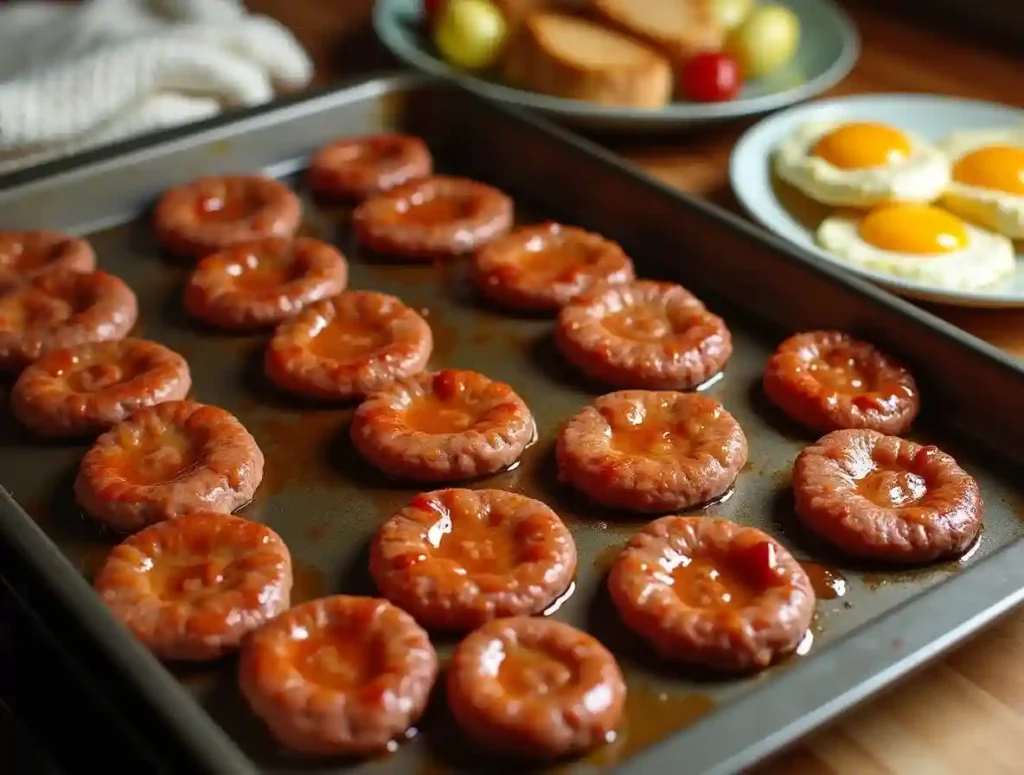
(652, 450)
(712, 593)
(193, 587)
(885, 498)
(59, 309)
(643, 334)
(212, 213)
(531, 687)
(340, 675)
(436, 217)
(264, 282)
(25, 254)
(87, 389)
(457, 558)
(349, 346)
(827, 380)
(443, 426)
(167, 460)
(358, 167)
(544, 267)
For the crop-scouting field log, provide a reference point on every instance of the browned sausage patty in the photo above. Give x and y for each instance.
(340, 675)
(193, 587)
(262, 283)
(455, 559)
(531, 687)
(643, 334)
(358, 167)
(652, 450)
(213, 213)
(349, 346)
(544, 267)
(712, 593)
(827, 380)
(435, 217)
(87, 389)
(443, 426)
(167, 460)
(25, 254)
(59, 309)
(881, 497)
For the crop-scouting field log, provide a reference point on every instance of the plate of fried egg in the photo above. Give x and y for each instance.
(921, 194)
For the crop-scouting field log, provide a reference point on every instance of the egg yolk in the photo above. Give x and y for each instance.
(999, 167)
(913, 228)
(862, 145)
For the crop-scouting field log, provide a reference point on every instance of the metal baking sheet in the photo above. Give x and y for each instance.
(326, 502)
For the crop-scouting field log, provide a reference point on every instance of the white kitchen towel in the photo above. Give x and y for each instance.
(78, 76)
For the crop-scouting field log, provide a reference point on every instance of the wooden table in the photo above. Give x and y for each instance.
(966, 713)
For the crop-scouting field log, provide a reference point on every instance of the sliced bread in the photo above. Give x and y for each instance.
(571, 57)
(677, 28)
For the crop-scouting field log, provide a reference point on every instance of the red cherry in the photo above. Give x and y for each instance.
(711, 77)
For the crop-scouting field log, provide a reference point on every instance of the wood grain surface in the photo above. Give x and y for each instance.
(964, 714)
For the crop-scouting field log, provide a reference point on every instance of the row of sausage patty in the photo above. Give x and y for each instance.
(350, 675)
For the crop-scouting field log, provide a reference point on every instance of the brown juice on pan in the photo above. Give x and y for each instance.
(297, 446)
(308, 583)
(607, 556)
(828, 583)
(651, 716)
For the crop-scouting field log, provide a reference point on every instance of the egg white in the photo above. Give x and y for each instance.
(999, 211)
(921, 177)
(987, 259)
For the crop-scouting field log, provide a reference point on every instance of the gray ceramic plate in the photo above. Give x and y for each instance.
(828, 49)
(781, 209)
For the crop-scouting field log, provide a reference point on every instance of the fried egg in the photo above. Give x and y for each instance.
(860, 164)
(987, 183)
(919, 242)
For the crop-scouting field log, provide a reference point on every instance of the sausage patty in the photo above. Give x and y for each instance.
(167, 460)
(827, 380)
(457, 558)
(531, 687)
(712, 593)
(643, 334)
(193, 587)
(652, 450)
(885, 498)
(340, 675)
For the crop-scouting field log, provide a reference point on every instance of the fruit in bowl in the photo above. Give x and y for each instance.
(469, 34)
(622, 53)
(765, 41)
(711, 77)
(731, 13)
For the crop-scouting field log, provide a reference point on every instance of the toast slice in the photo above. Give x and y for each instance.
(571, 57)
(677, 28)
